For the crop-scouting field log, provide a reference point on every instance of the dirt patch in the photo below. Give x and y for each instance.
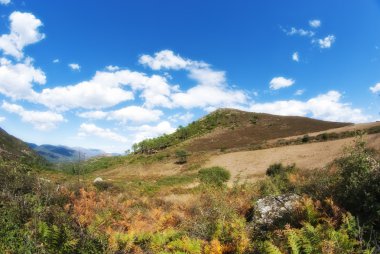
(251, 165)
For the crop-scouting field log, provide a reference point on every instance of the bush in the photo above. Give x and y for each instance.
(279, 169)
(215, 176)
(305, 139)
(102, 185)
(181, 156)
(358, 188)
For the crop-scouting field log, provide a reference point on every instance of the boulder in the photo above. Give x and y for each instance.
(272, 208)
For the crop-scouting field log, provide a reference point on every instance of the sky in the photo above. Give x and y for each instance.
(108, 73)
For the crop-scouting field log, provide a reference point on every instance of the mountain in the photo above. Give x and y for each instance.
(14, 149)
(59, 153)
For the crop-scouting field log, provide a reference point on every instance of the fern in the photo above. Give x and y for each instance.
(270, 248)
(294, 242)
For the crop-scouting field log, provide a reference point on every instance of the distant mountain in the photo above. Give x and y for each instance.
(14, 149)
(58, 153)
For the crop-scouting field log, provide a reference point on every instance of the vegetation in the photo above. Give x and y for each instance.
(215, 176)
(181, 156)
(336, 211)
(210, 122)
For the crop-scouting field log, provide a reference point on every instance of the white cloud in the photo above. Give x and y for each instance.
(16, 80)
(165, 59)
(74, 66)
(41, 120)
(280, 82)
(326, 42)
(375, 88)
(148, 131)
(315, 23)
(127, 114)
(299, 92)
(325, 106)
(24, 30)
(93, 130)
(211, 90)
(5, 2)
(112, 68)
(56, 60)
(2, 119)
(87, 94)
(300, 32)
(295, 57)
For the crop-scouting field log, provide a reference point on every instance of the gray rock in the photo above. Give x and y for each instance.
(271, 208)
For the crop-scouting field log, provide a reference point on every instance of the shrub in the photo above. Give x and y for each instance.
(181, 156)
(305, 139)
(215, 176)
(102, 185)
(358, 188)
(279, 169)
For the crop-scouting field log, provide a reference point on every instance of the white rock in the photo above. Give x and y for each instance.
(98, 179)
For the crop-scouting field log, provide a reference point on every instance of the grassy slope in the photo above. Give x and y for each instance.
(13, 149)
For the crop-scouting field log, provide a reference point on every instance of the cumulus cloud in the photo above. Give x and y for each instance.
(326, 42)
(16, 80)
(134, 114)
(151, 131)
(41, 120)
(325, 106)
(375, 88)
(5, 2)
(86, 129)
(211, 89)
(74, 66)
(24, 30)
(315, 23)
(295, 57)
(280, 82)
(56, 60)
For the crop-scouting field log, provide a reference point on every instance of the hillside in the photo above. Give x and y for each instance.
(14, 149)
(231, 128)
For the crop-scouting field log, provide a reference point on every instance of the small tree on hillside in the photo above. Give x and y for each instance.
(181, 156)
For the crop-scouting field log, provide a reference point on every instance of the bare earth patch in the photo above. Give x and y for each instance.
(251, 165)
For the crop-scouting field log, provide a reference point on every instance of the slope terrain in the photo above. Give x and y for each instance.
(14, 149)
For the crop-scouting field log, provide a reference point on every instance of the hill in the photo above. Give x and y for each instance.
(14, 149)
(231, 128)
(59, 153)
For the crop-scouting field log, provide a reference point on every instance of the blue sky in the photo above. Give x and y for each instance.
(106, 74)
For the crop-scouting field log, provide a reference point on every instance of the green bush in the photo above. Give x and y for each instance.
(215, 176)
(358, 188)
(181, 156)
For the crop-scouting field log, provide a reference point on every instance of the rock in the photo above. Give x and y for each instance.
(98, 179)
(269, 209)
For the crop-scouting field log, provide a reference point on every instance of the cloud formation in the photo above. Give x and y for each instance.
(280, 82)
(315, 23)
(74, 66)
(86, 129)
(326, 42)
(24, 30)
(375, 88)
(324, 106)
(41, 120)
